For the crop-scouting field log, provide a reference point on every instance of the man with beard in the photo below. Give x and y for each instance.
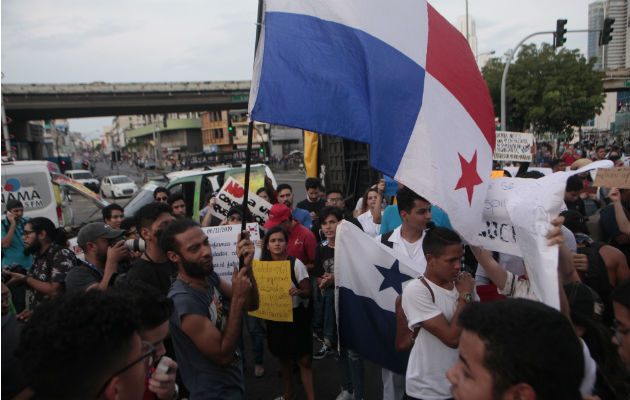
(52, 261)
(101, 259)
(153, 267)
(205, 338)
(285, 196)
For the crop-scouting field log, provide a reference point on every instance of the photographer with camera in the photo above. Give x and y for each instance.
(104, 247)
(52, 261)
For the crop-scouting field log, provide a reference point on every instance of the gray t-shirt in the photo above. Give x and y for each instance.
(79, 278)
(203, 378)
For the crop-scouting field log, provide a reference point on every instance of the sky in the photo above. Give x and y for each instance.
(78, 41)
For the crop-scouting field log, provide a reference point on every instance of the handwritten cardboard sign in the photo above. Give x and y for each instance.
(613, 177)
(223, 241)
(231, 194)
(513, 146)
(274, 281)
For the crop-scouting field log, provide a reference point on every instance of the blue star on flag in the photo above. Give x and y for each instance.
(392, 277)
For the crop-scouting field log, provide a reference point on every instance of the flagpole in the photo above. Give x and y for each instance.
(250, 134)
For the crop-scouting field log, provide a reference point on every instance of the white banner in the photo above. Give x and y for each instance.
(231, 194)
(223, 240)
(517, 217)
(513, 146)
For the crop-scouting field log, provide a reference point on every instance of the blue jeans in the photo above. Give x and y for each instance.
(316, 298)
(330, 322)
(257, 335)
(351, 372)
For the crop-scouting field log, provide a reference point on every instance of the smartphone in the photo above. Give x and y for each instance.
(162, 367)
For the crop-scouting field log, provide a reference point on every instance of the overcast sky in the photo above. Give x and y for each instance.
(76, 41)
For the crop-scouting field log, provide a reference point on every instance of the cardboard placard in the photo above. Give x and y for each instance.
(223, 241)
(613, 177)
(274, 281)
(231, 194)
(513, 146)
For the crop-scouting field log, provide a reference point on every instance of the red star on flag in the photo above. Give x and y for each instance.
(469, 178)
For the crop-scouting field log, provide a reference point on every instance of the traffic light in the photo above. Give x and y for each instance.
(262, 150)
(510, 107)
(230, 127)
(560, 31)
(605, 37)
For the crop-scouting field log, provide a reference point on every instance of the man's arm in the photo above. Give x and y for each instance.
(493, 269)
(48, 288)
(616, 264)
(8, 238)
(208, 339)
(620, 215)
(449, 331)
(115, 254)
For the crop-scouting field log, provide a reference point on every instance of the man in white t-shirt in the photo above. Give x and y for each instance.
(415, 213)
(432, 304)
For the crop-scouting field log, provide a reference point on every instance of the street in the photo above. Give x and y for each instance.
(85, 211)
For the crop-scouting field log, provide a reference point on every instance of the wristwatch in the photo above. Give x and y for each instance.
(467, 297)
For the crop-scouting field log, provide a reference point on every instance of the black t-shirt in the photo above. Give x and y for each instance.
(324, 259)
(311, 207)
(159, 275)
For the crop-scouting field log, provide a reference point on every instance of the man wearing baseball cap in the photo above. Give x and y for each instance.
(102, 255)
(302, 242)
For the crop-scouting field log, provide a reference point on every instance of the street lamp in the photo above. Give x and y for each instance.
(487, 53)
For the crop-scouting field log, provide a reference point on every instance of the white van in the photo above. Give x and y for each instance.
(31, 182)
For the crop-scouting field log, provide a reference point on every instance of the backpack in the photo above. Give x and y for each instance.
(405, 337)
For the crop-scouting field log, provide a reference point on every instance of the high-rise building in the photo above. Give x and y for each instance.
(472, 32)
(616, 54)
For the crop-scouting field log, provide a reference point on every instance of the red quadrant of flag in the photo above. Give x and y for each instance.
(446, 50)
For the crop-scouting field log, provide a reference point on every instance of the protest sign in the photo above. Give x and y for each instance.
(513, 146)
(614, 177)
(231, 194)
(516, 220)
(274, 281)
(223, 241)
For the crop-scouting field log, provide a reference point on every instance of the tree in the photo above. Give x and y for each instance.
(554, 91)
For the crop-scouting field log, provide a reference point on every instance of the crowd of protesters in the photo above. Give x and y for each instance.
(157, 322)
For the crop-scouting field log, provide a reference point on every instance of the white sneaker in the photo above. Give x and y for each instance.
(345, 395)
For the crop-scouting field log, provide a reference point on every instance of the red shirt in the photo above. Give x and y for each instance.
(302, 243)
(568, 159)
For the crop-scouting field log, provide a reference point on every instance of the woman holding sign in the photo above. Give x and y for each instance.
(291, 341)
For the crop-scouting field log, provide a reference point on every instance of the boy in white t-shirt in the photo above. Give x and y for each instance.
(432, 304)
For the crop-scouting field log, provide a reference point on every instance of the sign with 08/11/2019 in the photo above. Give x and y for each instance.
(513, 146)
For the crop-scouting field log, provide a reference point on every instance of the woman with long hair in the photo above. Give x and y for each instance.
(291, 341)
(371, 212)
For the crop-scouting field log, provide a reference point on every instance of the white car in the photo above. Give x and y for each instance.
(85, 178)
(118, 186)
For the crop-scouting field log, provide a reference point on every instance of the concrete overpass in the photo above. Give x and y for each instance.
(28, 102)
(617, 80)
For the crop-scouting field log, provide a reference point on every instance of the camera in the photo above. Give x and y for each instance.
(135, 244)
(131, 244)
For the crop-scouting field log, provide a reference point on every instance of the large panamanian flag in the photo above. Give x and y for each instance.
(396, 75)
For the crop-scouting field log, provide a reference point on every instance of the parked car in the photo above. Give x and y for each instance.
(196, 184)
(118, 186)
(31, 182)
(85, 178)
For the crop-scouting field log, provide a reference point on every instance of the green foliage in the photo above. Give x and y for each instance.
(554, 90)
